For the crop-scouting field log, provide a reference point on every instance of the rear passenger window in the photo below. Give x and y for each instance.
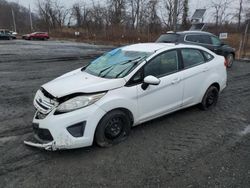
(216, 41)
(203, 39)
(192, 57)
(208, 56)
(193, 38)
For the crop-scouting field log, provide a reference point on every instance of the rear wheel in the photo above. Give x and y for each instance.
(210, 98)
(113, 128)
(230, 60)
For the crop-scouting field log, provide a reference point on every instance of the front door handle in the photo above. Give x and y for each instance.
(176, 80)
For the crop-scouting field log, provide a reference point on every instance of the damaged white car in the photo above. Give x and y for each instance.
(123, 88)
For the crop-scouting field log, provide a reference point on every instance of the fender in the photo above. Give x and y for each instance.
(124, 97)
(214, 78)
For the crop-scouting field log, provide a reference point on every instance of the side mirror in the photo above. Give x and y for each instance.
(150, 80)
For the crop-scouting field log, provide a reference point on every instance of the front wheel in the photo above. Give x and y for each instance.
(230, 60)
(210, 98)
(113, 128)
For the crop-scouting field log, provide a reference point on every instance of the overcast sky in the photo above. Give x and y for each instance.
(194, 4)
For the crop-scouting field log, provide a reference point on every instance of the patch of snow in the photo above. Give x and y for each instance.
(245, 131)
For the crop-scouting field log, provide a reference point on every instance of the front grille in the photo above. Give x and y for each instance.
(44, 104)
(42, 134)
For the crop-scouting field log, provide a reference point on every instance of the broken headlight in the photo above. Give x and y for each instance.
(78, 102)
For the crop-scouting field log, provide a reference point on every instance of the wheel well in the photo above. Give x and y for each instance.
(128, 112)
(216, 85)
(233, 54)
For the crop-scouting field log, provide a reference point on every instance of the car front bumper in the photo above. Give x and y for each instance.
(57, 127)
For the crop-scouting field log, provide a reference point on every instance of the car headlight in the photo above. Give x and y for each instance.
(78, 102)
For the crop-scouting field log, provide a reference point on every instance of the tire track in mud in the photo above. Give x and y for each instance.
(19, 74)
(46, 60)
(167, 151)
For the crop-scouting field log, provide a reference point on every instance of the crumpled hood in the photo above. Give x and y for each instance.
(80, 82)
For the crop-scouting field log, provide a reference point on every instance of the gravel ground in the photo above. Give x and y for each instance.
(189, 148)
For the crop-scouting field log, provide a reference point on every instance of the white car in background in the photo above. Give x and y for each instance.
(123, 88)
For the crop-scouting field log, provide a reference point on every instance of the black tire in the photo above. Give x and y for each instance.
(210, 98)
(113, 128)
(230, 60)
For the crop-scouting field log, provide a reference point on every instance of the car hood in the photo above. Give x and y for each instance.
(80, 82)
(228, 48)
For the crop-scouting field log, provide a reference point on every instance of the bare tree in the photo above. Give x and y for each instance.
(239, 16)
(51, 13)
(185, 14)
(168, 14)
(117, 10)
(81, 13)
(135, 10)
(154, 21)
(21, 16)
(220, 8)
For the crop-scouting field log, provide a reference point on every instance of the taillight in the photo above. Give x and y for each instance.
(225, 62)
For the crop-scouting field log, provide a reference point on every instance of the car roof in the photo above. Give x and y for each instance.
(191, 32)
(153, 47)
(147, 47)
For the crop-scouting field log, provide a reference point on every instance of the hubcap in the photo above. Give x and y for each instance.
(229, 60)
(114, 128)
(211, 98)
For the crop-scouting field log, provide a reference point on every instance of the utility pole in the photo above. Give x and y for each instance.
(31, 24)
(14, 21)
(175, 15)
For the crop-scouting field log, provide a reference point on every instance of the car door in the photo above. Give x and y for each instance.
(217, 47)
(157, 100)
(194, 74)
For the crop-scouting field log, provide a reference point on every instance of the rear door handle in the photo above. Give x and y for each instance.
(176, 81)
(205, 69)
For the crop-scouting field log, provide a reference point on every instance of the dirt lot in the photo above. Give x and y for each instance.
(189, 148)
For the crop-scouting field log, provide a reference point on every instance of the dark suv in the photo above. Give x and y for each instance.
(205, 39)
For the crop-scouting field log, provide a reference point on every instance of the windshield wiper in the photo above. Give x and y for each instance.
(120, 63)
(134, 63)
(105, 70)
(133, 60)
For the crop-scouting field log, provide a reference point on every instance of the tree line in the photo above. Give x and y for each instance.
(117, 18)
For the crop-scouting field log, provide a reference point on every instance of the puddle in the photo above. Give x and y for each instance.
(245, 131)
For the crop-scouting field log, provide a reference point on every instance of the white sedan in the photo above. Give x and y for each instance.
(121, 89)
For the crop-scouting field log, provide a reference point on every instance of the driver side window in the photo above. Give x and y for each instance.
(164, 64)
(215, 41)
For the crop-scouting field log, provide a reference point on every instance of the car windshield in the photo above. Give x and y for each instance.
(116, 63)
(171, 38)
